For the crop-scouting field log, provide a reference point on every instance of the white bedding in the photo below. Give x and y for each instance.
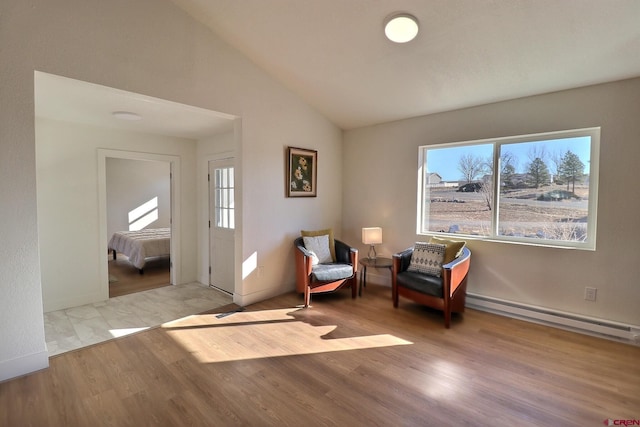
(142, 244)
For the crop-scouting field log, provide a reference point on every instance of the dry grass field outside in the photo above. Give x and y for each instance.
(521, 213)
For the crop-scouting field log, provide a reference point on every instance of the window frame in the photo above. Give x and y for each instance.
(593, 170)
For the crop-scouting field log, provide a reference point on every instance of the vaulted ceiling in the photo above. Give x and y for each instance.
(333, 53)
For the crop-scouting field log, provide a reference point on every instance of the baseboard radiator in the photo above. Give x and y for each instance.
(583, 324)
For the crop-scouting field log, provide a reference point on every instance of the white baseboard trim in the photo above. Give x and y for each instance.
(23, 365)
(577, 323)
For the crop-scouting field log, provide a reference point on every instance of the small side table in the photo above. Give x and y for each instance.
(379, 262)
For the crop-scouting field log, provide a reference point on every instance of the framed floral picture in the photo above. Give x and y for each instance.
(301, 172)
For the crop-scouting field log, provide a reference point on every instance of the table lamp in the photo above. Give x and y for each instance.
(372, 236)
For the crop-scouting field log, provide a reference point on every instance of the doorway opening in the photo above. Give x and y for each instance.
(138, 224)
(140, 220)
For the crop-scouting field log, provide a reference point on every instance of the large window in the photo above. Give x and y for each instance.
(544, 192)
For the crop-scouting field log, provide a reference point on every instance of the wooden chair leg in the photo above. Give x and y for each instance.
(447, 319)
(307, 296)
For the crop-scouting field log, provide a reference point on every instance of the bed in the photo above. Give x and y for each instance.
(142, 244)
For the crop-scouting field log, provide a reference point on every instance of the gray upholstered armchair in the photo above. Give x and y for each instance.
(446, 293)
(325, 277)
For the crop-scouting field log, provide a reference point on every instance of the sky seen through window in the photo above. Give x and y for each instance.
(444, 161)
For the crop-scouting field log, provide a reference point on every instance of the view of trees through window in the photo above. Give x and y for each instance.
(547, 188)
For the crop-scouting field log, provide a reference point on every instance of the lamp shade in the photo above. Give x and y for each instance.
(372, 235)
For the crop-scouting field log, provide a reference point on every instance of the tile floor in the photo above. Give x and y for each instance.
(77, 327)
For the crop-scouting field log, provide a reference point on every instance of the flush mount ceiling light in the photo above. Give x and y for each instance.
(126, 115)
(401, 27)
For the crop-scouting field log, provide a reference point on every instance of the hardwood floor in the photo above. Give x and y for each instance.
(128, 279)
(342, 362)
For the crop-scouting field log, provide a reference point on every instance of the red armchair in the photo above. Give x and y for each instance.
(327, 277)
(446, 293)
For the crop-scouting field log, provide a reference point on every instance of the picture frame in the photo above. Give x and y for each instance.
(302, 172)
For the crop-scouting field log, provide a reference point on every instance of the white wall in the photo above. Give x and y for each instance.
(381, 182)
(271, 221)
(68, 206)
(131, 183)
(153, 48)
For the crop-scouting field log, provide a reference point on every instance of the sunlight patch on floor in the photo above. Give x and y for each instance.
(267, 333)
(446, 380)
(125, 331)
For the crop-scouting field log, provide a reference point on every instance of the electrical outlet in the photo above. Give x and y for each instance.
(590, 294)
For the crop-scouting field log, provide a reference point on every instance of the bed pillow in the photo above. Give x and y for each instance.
(327, 232)
(453, 250)
(319, 248)
(427, 258)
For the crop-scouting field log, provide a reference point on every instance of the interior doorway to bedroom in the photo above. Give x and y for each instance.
(138, 207)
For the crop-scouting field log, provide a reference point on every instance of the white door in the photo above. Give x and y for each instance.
(221, 224)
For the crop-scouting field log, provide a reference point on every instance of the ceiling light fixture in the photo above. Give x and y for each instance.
(126, 115)
(401, 27)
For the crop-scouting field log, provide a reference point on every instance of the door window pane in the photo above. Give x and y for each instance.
(224, 198)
